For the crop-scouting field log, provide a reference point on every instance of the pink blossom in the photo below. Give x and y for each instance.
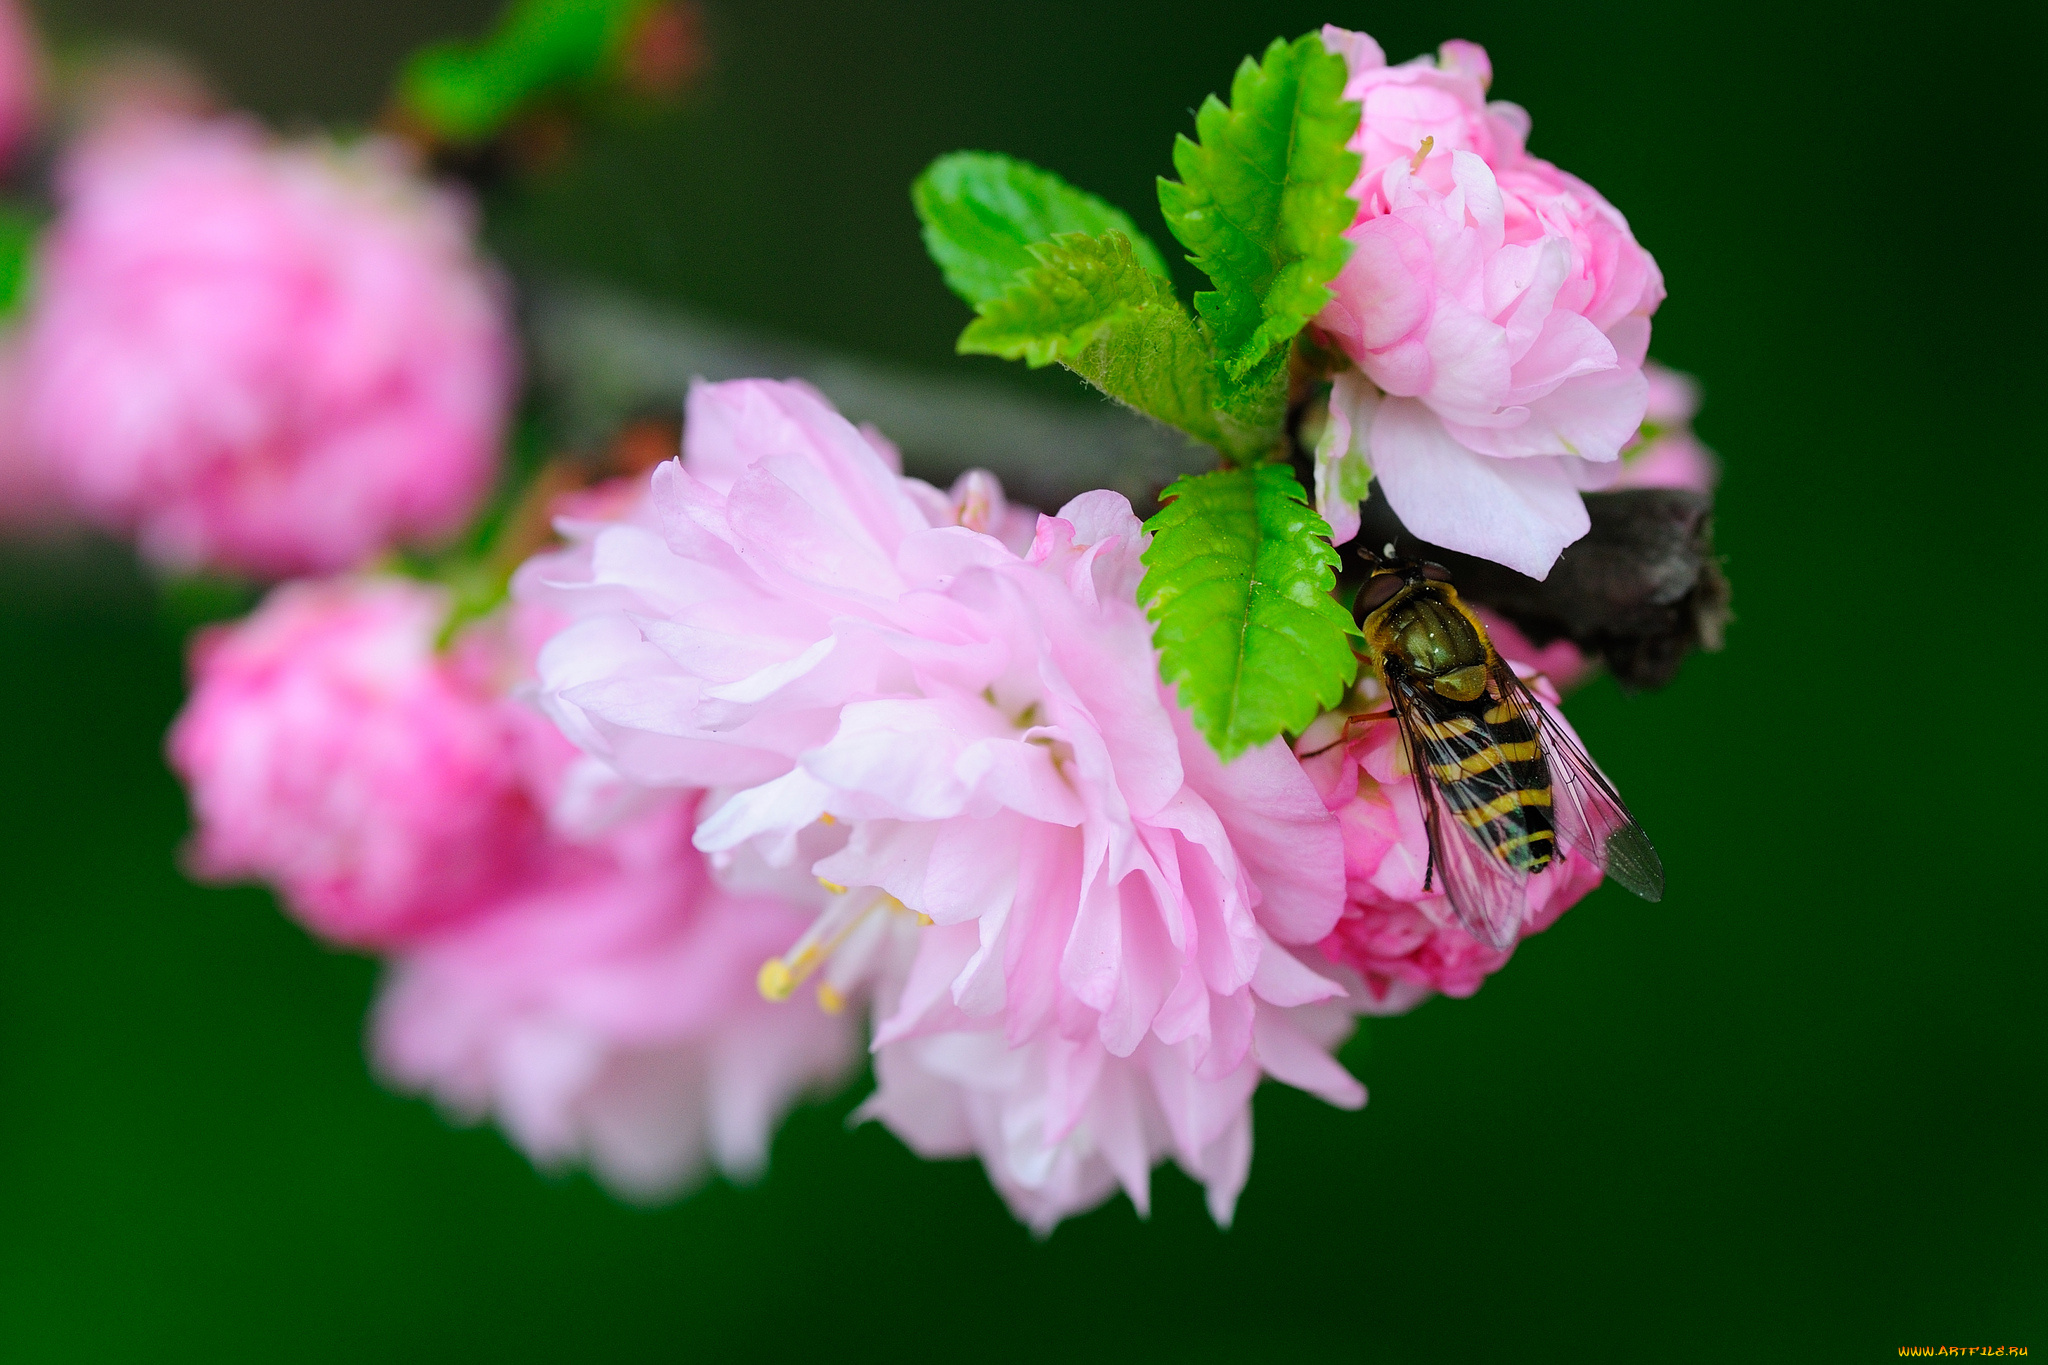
(606, 1013)
(272, 358)
(917, 713)
(382, 788)
(1498, 310)
(1403, 940)
(1667, 454)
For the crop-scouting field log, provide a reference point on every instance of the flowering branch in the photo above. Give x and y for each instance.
(633, 744)
(1641, 589)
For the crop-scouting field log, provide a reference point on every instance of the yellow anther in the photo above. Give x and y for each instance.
(827, 819)
(829, 998)
(1415, 162)
(781, 976)
(924, 920)
(776, 980)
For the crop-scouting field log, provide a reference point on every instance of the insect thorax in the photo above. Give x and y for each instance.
(1427, 633)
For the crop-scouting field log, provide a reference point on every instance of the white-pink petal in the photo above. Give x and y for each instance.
(1521, 512)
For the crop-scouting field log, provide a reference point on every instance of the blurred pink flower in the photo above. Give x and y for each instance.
(1403, 940)
(382, 788)
(563, 961)
(606, 1013)
(21, 78)
(1498, 310)
(271, 358)
(919, 714)
(31, 503)
(1668, 455)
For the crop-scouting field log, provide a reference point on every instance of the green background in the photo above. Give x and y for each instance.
(1793, 1113)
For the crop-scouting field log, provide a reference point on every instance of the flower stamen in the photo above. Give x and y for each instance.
(780, 976)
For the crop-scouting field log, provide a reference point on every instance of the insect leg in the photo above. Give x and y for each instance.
(1345, 736)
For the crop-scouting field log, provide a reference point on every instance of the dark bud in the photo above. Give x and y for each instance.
(1640, 591)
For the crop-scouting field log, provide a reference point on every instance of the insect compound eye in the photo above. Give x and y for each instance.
(1378, 591)
(1436, 573)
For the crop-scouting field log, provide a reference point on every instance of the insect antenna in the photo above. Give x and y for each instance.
(1388, 557)
(1385, 558)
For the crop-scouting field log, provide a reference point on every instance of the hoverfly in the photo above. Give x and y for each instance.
(1506, 793)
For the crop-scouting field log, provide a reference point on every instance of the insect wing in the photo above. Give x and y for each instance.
(1488, 896)
(1590, 816)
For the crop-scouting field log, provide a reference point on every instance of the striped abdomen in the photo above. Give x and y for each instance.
(1488, 762)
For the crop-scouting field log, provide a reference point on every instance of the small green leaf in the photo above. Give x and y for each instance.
(1091, 304)
(1252, 408)
(19, 233)
(1263, 198)
(467, 92)
(1238, 581)
(983, 211)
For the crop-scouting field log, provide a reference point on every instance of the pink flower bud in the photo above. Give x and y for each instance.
(270, 358)
(329, 750)
(1669, 455)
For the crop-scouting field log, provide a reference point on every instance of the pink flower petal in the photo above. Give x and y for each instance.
(1521, 513)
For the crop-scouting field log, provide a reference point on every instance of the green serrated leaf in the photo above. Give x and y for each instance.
(1091, 304)
(1263, 198)
(1238, 581)
(983, 211)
